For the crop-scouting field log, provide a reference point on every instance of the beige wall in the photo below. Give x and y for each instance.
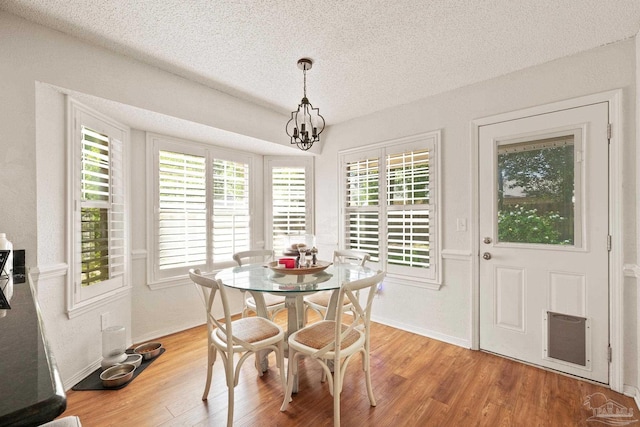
(446, 314)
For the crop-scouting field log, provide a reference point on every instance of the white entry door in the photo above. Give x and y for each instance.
(543, 203)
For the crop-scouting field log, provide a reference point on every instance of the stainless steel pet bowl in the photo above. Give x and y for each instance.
(134, 359)
(148, 350)
(117, 375)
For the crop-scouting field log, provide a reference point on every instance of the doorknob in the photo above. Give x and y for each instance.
(486, 255)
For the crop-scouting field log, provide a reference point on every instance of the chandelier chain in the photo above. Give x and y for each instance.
(304, 73)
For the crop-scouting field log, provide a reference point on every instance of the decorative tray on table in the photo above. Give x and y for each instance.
(280, 268)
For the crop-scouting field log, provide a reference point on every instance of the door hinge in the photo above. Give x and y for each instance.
(608, 130)
(609, 242)
(610, 355)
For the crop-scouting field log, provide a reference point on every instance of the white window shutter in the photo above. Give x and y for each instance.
(117, 232)
(182, 210)
(408, 208)
(231, 216)
(390, 205)
(289, 203)
(363, 206)
(97, 206)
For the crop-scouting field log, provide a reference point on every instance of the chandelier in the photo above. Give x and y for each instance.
(306, 123)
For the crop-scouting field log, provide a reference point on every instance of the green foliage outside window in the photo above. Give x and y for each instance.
(520, 224)
(535, 194)
(95, 245)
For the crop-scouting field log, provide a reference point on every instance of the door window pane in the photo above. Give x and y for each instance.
(536, 191)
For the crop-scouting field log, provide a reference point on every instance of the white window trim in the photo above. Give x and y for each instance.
(74, 305)
(155, 143)
(298, 161)
(406, 143)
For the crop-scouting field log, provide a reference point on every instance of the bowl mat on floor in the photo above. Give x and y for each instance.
(93, 381)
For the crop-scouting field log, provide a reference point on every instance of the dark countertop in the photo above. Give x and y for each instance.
(31, 392)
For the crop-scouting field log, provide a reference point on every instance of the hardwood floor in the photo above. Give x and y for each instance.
(417, 382)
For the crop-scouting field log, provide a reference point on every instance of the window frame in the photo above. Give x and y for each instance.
(79, 299)
(271, 162)
(157, 279)
(422, 277)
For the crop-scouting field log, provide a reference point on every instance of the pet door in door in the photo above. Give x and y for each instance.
(567, 338)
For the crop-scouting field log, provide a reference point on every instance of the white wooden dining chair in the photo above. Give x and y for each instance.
(319, 301)
(332, 343)
(274, 303)
(244, 337)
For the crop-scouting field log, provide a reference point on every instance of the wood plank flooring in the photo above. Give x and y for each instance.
(417, 382)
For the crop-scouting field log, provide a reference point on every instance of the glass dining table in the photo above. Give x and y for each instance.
(258, 279)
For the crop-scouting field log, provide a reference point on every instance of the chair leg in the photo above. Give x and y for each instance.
(280, 359)
(337, 388)
(228, 370)
(291, 372)
(211, 358)
(230, 410)
(367, 372)
(258, 362)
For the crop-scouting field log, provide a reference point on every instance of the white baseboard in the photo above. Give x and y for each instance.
(424, 332)
(632, 391)
(158, 333)
(70, 382)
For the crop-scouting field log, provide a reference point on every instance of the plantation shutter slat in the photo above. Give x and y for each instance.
(231, 219)
(362, 206)
(408, 242)
(102, 210)
(289, 206)
(408, 210)
(182, 214)
(117, 218)
(362, 183)
(96, 166)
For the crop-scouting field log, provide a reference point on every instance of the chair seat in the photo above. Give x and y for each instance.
(71, 421)
(269, 299)
(322, 299)
(318, 335)
(251, 330)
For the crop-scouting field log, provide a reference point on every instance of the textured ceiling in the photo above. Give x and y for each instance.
(369, 54)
